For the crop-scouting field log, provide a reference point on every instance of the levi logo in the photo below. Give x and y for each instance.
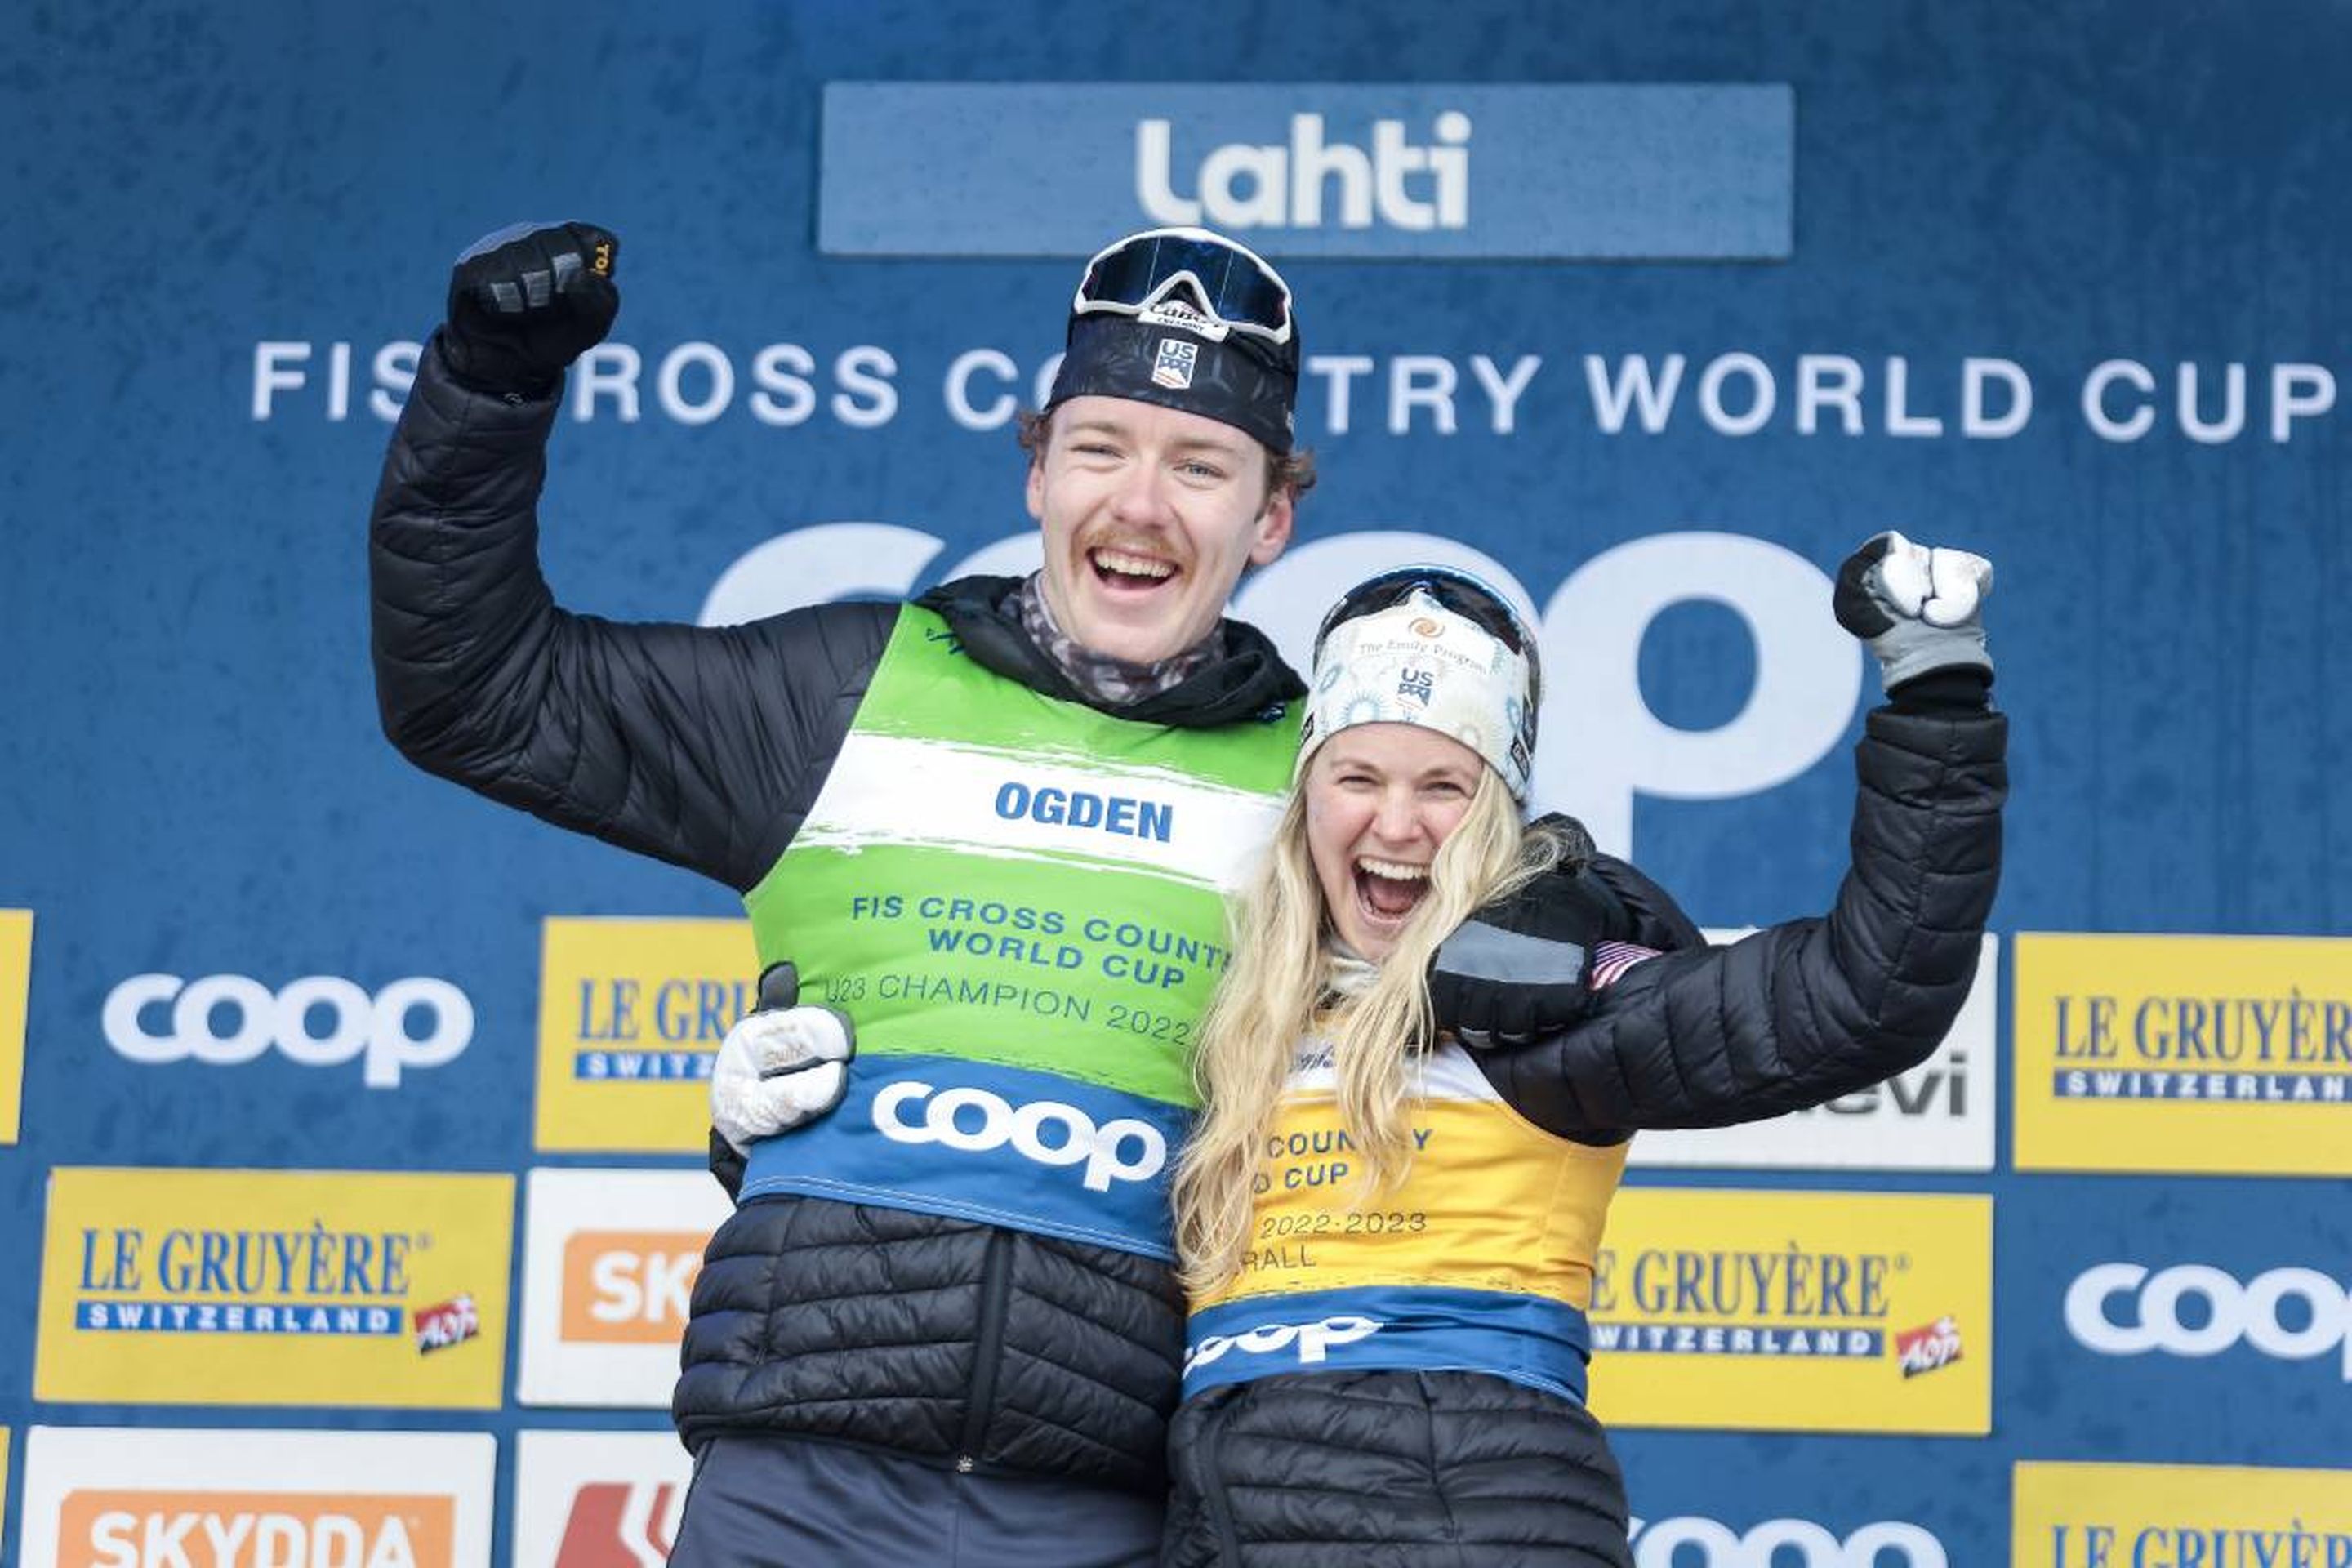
(628, 1287)
(620, 1524)
(124, 1528)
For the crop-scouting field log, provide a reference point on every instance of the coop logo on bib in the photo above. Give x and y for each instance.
(974, 1121)
(1307, 1344)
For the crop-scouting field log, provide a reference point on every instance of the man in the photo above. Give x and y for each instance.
(995, 824)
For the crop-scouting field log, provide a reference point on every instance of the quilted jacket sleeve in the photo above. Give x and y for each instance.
(697, 745)
(1802, 1012)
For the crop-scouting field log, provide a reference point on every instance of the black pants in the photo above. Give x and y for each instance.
(1391, 1469)
(786, 1502)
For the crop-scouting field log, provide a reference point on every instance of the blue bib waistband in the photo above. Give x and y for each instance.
(1006, 1146)
(1529, 1340)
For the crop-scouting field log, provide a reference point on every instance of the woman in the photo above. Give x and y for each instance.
(1390, 1245)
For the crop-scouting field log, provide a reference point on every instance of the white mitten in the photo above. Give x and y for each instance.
(780, 1066)
(1917, 606)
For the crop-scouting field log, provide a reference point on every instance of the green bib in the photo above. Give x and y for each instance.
(1019, 902)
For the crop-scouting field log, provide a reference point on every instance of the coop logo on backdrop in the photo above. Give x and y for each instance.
(1595, 622)
(631, 1014)
(2179, 1516)
(1693, 1541)
(101, 1497)
(2199, 1054)
(1796, 1311)
(598, 1499)
(316, 1021)
(2196, 1310)
(274, 1288)
(609, 1263)
(1320, 168)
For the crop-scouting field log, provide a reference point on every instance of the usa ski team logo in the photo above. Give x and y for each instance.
(1174, 367)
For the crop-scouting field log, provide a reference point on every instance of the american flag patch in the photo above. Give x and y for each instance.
(1611, 960)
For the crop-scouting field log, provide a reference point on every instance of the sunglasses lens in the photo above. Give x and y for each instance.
(1235, 287)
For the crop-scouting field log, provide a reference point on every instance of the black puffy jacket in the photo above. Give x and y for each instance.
(706, 747)
(1306, 1471)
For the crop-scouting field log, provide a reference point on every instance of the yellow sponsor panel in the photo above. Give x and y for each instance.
(630, 1016)
(2179, 1516)
(161, 1287)
(1795, 1311)
(15, 986)
(2205, 1054)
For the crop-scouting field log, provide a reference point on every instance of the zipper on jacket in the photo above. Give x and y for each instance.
(1212, 1492)
(988, 1346)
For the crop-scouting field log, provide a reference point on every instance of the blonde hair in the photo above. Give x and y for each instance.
(1275, 996)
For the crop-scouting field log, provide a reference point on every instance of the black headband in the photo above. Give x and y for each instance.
(1230, 381)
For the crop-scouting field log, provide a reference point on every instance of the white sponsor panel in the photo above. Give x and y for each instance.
(317, 1021)
(2287, 1314)
(1692, 1541)
(598, 1499)
(609, 1261)
(1936, 1117)
(133, 1498)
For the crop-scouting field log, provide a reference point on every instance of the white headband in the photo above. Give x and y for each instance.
(1419, 663)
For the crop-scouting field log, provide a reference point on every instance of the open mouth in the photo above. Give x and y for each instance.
(1387, 891)
(1127, 570)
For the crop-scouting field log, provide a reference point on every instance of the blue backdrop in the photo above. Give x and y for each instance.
(220, 216)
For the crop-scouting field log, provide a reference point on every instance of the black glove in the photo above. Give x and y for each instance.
(1521, 967)
(525, 303)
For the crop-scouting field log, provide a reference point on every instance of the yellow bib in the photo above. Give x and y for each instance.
(1480, 1260)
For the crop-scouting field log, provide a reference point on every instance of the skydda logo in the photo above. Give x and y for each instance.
(1690, 1541)
(126, 1528)
(629, 1287)
(2228, 1311)
(225, 1020)
(1105, 1150)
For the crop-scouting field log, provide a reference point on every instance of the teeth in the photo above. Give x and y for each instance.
(1393, 871)
(1127, 565)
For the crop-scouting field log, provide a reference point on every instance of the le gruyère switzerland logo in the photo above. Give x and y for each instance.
(275, 1287)
(1866, 1312)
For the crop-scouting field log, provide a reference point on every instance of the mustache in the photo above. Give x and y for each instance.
(1158, 547)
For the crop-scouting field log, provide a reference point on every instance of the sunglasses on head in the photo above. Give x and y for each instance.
(1236, 290)
(1453, 590)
